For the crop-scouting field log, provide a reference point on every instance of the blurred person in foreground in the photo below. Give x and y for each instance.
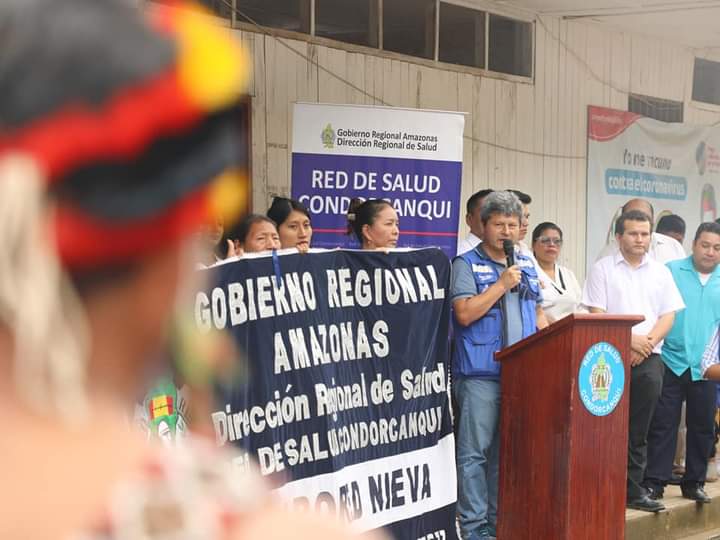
(104, 176)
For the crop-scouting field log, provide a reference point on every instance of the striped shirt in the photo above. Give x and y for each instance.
(711, 356)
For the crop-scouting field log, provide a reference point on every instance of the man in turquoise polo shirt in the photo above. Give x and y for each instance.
(698, 279)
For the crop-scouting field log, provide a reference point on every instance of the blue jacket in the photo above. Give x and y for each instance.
(476, 344)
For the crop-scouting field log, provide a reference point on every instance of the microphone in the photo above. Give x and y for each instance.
(509, 249)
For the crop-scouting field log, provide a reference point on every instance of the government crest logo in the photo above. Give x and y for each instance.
(601, 379)
(328, 137)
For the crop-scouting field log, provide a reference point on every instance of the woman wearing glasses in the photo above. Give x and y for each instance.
(561, 291)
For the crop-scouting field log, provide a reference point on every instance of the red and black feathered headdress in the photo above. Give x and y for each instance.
(133, 119)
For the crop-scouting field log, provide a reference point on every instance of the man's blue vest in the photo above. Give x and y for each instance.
(476, 344)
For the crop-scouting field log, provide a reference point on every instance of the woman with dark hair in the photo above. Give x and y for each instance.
(293, 223)
(561, 290)
(257, 233)
(374, 222)
(254, 234)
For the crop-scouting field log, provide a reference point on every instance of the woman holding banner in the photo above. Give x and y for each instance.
(293, 223)
(374, 222)
(257, 233)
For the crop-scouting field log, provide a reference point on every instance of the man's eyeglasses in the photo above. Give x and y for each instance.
(546, 241)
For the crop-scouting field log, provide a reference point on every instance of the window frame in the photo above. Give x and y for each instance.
(485, 15)
(533, 28)
(477, 5)
(374, 29)
(701, 105)
(235, 20)
(640, 97)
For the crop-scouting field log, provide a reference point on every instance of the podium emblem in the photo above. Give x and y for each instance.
(601, 379)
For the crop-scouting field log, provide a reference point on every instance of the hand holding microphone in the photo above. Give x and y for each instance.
(510, 278)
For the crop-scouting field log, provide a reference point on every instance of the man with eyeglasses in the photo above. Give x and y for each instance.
(698, 278)
(631, 282)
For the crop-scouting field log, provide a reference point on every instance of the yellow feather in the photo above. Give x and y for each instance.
(213, 66)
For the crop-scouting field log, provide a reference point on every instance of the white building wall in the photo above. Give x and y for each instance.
(536, 129)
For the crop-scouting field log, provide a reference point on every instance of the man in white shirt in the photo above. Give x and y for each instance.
(631, 282)
(662, 248)
(473, 220)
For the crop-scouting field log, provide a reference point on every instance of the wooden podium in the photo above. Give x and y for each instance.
(563, 470)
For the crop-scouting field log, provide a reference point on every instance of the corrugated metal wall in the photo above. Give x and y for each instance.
(576, 65)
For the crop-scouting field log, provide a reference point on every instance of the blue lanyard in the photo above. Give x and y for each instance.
(276, 266)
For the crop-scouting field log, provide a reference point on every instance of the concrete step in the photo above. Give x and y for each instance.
(707, 535)
(681, 519)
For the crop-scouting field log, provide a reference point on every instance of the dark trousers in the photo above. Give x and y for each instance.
(646, 382)
(700, 421)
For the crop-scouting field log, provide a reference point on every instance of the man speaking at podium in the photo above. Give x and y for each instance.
(496, 299)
